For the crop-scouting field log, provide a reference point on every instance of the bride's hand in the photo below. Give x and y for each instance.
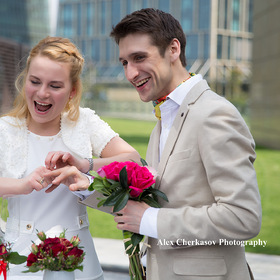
(37, 180)
(58, 159)
(69, 176)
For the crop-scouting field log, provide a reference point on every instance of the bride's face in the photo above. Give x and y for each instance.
(48, 88)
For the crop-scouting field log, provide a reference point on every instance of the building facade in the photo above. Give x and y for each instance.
(219, 34)
(25, 21)
(265, 97)
(22, 24)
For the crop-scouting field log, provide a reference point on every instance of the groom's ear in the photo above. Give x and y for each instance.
(174, 50)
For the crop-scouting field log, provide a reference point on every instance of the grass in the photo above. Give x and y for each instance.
(267, 166)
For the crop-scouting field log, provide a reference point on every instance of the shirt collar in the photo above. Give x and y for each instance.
(179, 93)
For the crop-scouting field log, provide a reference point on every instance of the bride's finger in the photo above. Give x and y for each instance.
(51, 188)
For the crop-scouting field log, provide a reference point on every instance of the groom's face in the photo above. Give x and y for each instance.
(145, 68)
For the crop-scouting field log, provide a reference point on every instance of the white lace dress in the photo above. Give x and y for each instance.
(50, 212)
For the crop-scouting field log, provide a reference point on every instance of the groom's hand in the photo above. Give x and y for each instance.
(129, 218)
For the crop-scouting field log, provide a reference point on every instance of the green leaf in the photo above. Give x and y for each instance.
(144, 163)
(31, 269)
(101, 202)
(136, 239)
(97, 183)
(112, 181)
(158, 193)
(94, 174)
(116, 185)
(123, 178)
(15, 258)
(120, 204)
(150, 201)
(106, 183)
(114, 197)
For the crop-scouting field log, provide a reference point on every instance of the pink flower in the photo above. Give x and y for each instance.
(141, 180)
(113, 170)
(75, 240)
(138, 177)
(41, 235)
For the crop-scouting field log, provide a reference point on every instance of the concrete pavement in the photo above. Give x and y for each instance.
(114, 261)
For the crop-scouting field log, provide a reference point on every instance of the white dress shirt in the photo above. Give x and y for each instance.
(169, 111)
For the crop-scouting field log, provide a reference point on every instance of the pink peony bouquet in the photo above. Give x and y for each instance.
(55, 254)
(118, 182)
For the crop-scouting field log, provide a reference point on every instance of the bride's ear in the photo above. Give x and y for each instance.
(73, 92)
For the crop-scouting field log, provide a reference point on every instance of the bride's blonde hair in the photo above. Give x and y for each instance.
(61, 50)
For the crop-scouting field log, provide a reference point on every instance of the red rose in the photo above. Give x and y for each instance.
(66, 243)
(3, 250)
(76, 252)
(141, 180)
(31, 259)
(54, 240)
(57, 248)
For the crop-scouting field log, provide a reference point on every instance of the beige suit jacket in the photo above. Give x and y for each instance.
(206, 170)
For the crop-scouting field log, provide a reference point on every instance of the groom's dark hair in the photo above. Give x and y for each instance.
(160, 26)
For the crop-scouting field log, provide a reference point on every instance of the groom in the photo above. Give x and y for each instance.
(203, 152)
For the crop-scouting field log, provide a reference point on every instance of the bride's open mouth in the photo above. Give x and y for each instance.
(41, 107)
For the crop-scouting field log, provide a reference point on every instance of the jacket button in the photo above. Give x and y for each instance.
(81, 221)
(28, 227)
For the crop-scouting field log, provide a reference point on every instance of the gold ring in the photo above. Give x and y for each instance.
(42, 181)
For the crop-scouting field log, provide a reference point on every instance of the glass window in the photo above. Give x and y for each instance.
(108, 50)
(235, 15)
(164, 5)
(250, 23)
(103, 18)
(206, 44)
(79, 19)
(187, 15)
(219, 46)
(84, 48)
(67, 20)
(95, 50)
(204, 14)
(228, 48)
(89, 19)
(192, 47)
(116, 9)
(136, 5)
(226, 15)
(145, 4)
(128, 7)
(239, 48)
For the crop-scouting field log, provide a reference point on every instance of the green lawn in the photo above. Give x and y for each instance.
(267, 167)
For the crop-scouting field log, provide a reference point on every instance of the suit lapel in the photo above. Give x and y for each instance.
(175, 130)
(152, 155)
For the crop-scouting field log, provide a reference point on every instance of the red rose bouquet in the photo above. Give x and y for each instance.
(118, 182)
(7, 256)
(55, 254)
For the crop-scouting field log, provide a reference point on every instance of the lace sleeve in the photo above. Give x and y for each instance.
(100, 133)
